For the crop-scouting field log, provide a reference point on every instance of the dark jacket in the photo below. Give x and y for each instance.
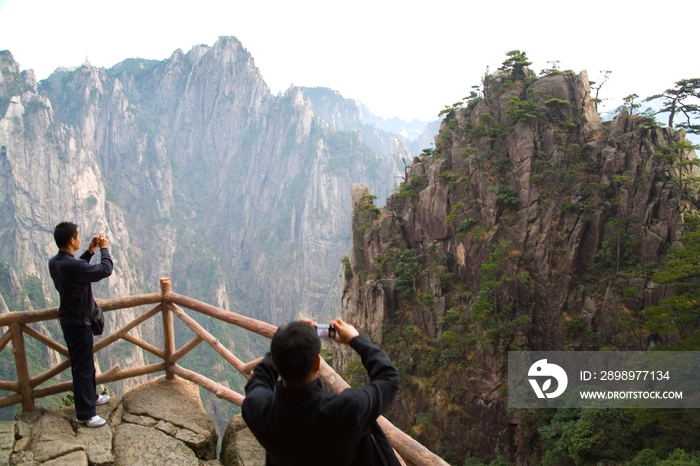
(73, 279)
(305, 426)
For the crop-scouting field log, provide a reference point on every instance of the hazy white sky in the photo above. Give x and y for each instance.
(400, 58)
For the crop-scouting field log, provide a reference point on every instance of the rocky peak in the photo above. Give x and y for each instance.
(340, 113)
(500, 239)
(11, 82)
(193, 170)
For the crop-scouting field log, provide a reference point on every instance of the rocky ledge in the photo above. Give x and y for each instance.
(159, 422)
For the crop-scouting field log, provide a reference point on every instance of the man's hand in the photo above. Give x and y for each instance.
(102, 241)
(93, 245)
(344, 332)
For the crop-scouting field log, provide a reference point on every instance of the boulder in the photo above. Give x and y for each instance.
(50, 436)
(135, 445)
(177, 404)
(239, 446)
(555, 85)
(160, 422)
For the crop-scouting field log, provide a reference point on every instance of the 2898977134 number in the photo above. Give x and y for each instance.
(634, 375)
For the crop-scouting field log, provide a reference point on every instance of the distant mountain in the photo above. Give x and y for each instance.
(411, 130)
(193, 170)
(325, 99)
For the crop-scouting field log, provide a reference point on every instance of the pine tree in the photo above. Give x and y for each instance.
(515, 64)
(680, 100)
(680, 314)
(677, 160)
(596, 86)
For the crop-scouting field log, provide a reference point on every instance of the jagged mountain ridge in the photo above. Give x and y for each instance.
(504, 239)
(378, 133)
(350, 115)
(194, 170)
(209, 143)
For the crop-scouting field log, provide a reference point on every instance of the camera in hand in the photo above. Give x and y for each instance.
(325, 331)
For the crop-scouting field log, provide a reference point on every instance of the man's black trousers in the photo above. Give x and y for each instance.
(79, 342)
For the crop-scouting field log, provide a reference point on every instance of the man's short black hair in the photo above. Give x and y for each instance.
(294, 349)
(63, 233)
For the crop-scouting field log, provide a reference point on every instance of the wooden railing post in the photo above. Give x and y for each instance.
(168, 328)
(22, 366)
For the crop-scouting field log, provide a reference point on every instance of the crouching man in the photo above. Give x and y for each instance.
(298, 423)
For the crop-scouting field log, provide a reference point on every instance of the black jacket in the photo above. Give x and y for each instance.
(73, 279)
(305, 426)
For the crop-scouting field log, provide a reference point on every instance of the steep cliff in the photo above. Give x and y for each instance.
(242, 189)
(48, 174)
(350, 115)
(193, 170)
(531, 226)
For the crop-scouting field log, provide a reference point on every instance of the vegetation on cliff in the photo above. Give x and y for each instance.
(531, 226)
(194, 171)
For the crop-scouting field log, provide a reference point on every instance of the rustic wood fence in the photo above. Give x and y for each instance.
(167, 304)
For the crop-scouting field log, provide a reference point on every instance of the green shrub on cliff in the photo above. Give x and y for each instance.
(347, 268)
(676, 159)
(522, 111)
(465, 225)
(506, 196)
(589, 436)
(618, 246)
(406, 271)
(411, 189)
(35, 291)
(680, 313)
(630, 437)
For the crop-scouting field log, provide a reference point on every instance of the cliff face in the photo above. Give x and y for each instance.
(532, 226)
(48, 174)
(350, 115)
(223, 177)
(193, 170)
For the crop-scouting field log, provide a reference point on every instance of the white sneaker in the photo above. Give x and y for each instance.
(102, 399)
(94, 421)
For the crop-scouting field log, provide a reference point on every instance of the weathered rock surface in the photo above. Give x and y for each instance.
(7, 441)
(494, 250)
(98, 443)
(195, 136)
(239, 446)
(161, 422)
(55, 437)
(138, 445)
(177, 407)
(172, 152)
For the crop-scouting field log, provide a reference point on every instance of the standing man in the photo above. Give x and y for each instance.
(301, 425)
(73, 279)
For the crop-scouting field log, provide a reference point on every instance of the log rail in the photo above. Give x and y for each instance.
(169, 305)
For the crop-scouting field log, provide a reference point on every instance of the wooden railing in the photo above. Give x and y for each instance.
(167, 303)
